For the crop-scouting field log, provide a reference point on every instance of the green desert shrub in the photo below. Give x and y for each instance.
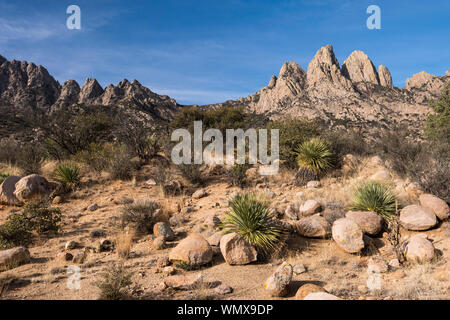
(238, 175)
(35, 217)
(115, 282)
(292, 133)
(250, 217)
(140, 215)
(192, 173)
(438, 124)
(16, 231)
(96, 156)
(3, 177)
(314, 155)
(377, 197)
(68, 174)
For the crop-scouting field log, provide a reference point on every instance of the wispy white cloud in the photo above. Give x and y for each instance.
(13, 30)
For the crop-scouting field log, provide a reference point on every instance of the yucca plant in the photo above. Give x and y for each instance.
(314, 155)
(68, 174)
(377, 197)
(250, 218)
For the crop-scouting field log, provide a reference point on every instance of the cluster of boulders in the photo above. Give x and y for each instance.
(16, 190)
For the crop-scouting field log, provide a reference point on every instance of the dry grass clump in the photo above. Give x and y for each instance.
(115, 282)
(124, 243)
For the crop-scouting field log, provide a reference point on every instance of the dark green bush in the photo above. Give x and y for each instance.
(192, 173)
(437, 128)
(34, 217)
(293, 133)
(238, 175)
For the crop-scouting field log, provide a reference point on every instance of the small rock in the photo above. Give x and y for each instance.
(93, 207)
(65, 256)
(177, 220)
(299, 268)
(97, 233)
(370, 222)
(105, 245)
(313, 227)
(71, 245)
(438, 206)
(419, 249)
(237, 251)
(417, 218)
(150, 182)
(184, 282)
(347, 235)
(57, 200)
(212, 221)
(394, 263)
(162, 229)
(163, 261)
(14, 257)
(169, 270)
(310, 207)
(321, 296)
(199, 194)
(313, 184)
(159, 243)
(277, 284)
(306, 289)
(193, 250)
(214, 240)
(381, 175)
(31, 186)
(78, 257)
(223, 289)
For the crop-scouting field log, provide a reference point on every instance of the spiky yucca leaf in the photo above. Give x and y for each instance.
(314, 155)
(375, 196)
(68, 174)
(251, 219)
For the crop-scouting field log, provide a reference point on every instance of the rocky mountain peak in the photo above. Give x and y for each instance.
(324, 70)
(385, 76)
(359, 68)
(27, 85)
(69, 95)
(90, 91)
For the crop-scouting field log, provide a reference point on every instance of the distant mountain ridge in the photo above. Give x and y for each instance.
(357, 93)
(25, 85)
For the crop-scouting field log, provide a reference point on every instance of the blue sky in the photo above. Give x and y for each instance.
(211, 51)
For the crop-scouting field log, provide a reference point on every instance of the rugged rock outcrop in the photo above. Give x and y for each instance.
(385, 76)
(359, 68)
(24, 84)
(355, 96)
(69, 94)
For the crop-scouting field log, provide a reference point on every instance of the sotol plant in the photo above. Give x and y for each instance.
(377, 197)
(314, 155)
(68, 174)
(250, 218)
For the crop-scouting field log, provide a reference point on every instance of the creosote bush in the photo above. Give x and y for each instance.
(115, 283)
(140, 215)
(250, 217)
(35, 217)
(377, 197)
(238, 175)
(192, 173)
